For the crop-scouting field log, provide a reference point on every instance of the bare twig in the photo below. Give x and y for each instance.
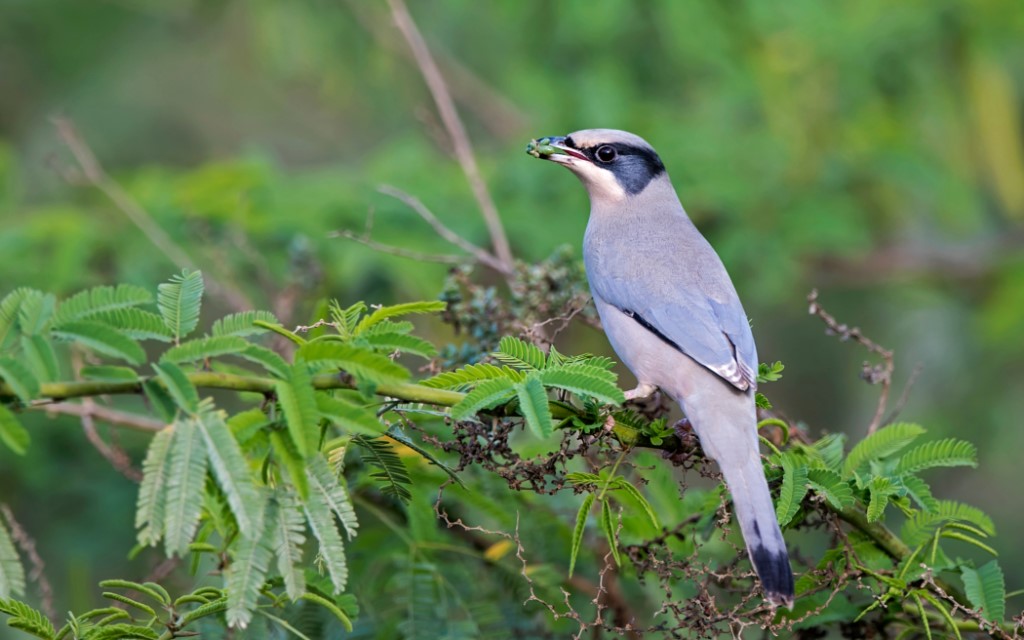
(460, 140)
(111, 452)
(873, 374)
(91, 410)
(37, 575)
(91, 172)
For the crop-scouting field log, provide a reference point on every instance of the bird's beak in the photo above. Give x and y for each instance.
(553, 148)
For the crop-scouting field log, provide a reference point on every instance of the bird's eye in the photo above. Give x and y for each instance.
(606, 153)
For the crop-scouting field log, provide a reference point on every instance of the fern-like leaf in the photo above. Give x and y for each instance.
(298, 402)
(149, 512)
(12, 573)
(581, 380)
(470, 375)
(831, 485)
(919, 528)
(332, 548)
(247, 573)
(362, 363)
(389, 342)
(880, 489)
(533, 403)
(187, 475)
(331, 492)
(405, 309)
(881, 444)
(828, 451)
(487, 394)
(621, 484)
(578, 529)
(794, 488)
(27, 619)
(267, 359)
(204, 348)
(179, 302)
(986, 589)
(609, 528)
(9, 307)
(231, 471)
(288, 457)
(921, 493)
(97, 300)
(136, 323)
(288, 537)
(520, 354)
(348, 415)
(241, 324)
(346, 319)
(19, 379)
(103, 339)
(123, 631)
(949, 452)
(178, 386)
(12, 434)
(390, 468)
(35, 312)
(38, 354)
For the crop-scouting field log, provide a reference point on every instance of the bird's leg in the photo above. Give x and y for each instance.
(642, 390)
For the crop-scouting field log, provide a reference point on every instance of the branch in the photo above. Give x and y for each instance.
(460, 140)
(106, 414)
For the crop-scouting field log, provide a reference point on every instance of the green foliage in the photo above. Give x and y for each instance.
(794, 488)
(12, 574)
(242, 324)
(185, 482)
(986, 589)
(27, 619)
(14, 436)
(390, 470)
(149, 512)
(578, 529)
(881, 444)
(298, 403)
(179, 301)
(533, 403)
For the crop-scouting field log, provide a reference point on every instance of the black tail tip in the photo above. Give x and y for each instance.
(775, 573)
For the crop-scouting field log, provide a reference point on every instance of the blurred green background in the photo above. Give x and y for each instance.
(871, 149)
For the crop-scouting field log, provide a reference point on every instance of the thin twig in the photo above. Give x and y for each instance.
(873, 374)
(93, 174)
(460, 140)
(414, 203)
(91, 410)
(38, 574)
(902, 401)
(112, 453)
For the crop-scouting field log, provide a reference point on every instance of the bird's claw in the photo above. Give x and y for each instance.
(642, 390)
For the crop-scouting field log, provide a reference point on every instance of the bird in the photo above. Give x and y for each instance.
(672, 315)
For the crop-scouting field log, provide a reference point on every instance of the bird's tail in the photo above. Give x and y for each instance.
(726, 423)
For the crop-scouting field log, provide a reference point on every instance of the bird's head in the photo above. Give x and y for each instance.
(612, 164)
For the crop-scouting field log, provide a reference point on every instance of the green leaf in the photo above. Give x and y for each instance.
(27, 619)
(622, 484)
(919, 490)
(794, 488)
(880, 488)
(180, 388)
(324, 483)
(204, 348)
(396, 434)
(38, 352)
(330, 606)
(577, 532)
(332, 549)
(9, 307)
(19, 379)
(361, 363)
(348, 415)
(246, 574)
(101, 338)
(287, 456)
(245, 424)
(829, 450)
(389, 342)
(149, 512)
(161, 401)
(35, 311)
(579, 380)
(231, 470)
(919, 528)
(390, 468)
(241, 324)
(136, 323)
(831, 485)
(470, 375)
(487, 394)
(298, 402)
(882, 443)
(533, 403)
(769, 372)
(109, 373)
(347, 318)
(520, 354)
(608, 526)
(949, 452)
(12, 573)
(179, 301)
(12, 434)
(266, 358)
(287, 539)
(187, 475)
(408, 308)
(986, 589)
(97, 300)
(123, 631)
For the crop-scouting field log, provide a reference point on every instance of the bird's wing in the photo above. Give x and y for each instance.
(713, 332)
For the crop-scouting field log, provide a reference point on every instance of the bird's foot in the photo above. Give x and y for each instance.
(642, 390)
(688, 445)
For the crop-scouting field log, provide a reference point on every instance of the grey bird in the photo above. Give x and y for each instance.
(673, 317)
